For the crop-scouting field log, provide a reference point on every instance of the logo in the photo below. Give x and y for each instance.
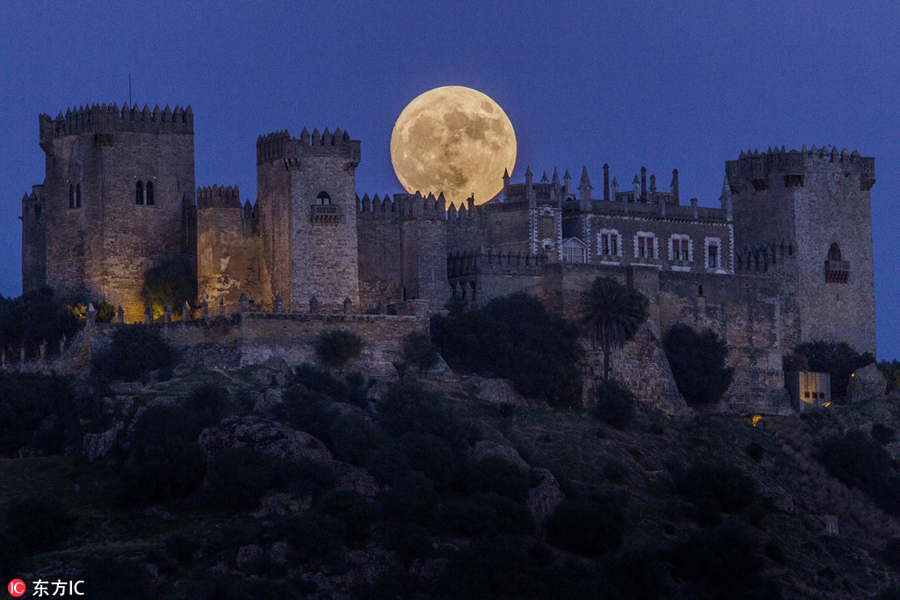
(16, 588)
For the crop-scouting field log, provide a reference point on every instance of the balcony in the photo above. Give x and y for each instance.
(837, 271)
(326, 214)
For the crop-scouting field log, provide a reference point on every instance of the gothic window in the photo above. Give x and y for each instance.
(71, 196)
(77, 195)
(323, 198)
(645, 245)
(608, 242)
(149, 196)
(139, 193)
(574, 251)
(680, 248)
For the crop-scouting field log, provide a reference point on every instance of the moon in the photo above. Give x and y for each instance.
(454, 140)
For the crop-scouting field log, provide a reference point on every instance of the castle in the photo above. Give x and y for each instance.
(786, 258)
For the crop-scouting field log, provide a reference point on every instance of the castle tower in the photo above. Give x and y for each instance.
(817, 203)
(118, 199)
(307, 220)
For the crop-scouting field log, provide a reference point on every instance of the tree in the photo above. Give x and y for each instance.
(171, 283)
(418, 350)
(337, 346)
(613, 312)
(698, 364)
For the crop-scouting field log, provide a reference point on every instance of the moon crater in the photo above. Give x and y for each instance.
(454, 140)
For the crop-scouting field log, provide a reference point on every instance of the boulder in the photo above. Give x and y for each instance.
(544, 498)
(266, 402)
(487, 448)
(98, 445)
(866, 384)
(272, 438)
(249, 557)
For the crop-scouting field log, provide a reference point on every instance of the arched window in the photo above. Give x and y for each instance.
(71, 196)
(149, 193)
(77, 195)
(834, 253)
(139, 193)
(323, 198)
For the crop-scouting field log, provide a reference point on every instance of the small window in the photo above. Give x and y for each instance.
(71, 196)
(806, 395)
(834, 253)
(149, 193)
(684, 250)
(645, 246)
(713, 257)
(323, 198)
(77, 195)
(139, 193)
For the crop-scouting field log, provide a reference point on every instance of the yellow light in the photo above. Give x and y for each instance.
(756, 419)
(827, 404)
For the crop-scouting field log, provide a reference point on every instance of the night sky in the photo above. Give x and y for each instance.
(641, 84)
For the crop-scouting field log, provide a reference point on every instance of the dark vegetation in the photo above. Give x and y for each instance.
(838, 359)
(615, 404)
(891, 372)
(42, 316)
(135, 351)
(612, 313)
(698, 364)
(336, 347)
(650, 507)
(513, 337)
(171, 284)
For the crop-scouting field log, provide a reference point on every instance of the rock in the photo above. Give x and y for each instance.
(866, 384)
(544, 498)
(281, 370)
(283, 504)
(485, 449)
(272, 438)
(279, 553)
(497, 391)
(268, 401)
(249, 557)
(98, 445)
(356, 479)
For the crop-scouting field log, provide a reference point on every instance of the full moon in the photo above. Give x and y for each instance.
(454, 140)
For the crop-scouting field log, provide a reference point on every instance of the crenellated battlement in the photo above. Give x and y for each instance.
(218, 197)
(109, 118)
(280, 145)
(764, 258)
(402, 207)
(755, 167)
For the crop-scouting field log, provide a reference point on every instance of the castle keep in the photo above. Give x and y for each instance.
(785, 258)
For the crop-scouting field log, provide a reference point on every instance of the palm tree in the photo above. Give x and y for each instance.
(613, 312)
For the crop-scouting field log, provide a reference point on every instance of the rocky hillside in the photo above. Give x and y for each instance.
(285, 483)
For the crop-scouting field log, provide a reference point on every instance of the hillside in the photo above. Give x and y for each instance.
(277, 482)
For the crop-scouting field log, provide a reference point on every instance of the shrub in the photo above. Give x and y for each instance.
(721, 485)
(134, 352)
(499, 476)
(432, 456)
(303, 475)
(113, 579)
(336, 347)
(419, 351)
(409, 541)
(861, 462)
(637, 575)
(891, 372)
(237, 477)
(208, 404)
(171, 283)
(698, 364)
(615, 470)
(891, 553)
(590, 526)
(166, 470)
(514, 337)
(353, 390)
(615, 404)
(40, 524)
(487, 515)
(407, 407)
(838, 359)
(11, 553)
(411, 500)
(29, 404)
(352, 509)
(723, 564)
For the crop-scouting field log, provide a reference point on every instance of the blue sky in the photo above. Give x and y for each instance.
(658, 84)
